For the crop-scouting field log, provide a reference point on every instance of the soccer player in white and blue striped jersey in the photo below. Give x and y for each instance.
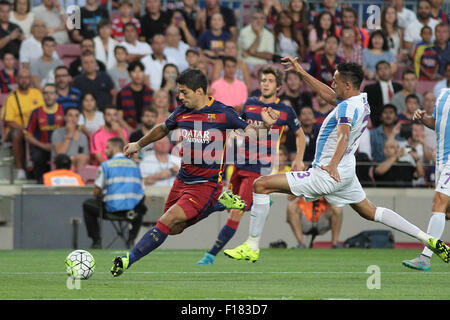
(333, 174)
(439, 121)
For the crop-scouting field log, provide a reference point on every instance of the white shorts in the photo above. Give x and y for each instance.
(443, 179)
(316, 183)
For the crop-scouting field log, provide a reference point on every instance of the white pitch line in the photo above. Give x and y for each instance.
(237, 272)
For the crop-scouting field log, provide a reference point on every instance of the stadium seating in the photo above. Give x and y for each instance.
(88, 174)
(68, 52)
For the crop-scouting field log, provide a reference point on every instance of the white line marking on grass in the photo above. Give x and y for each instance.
(237, 272)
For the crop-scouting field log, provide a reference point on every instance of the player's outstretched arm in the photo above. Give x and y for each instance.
(158, 132)
(319, 87)
(426, 120)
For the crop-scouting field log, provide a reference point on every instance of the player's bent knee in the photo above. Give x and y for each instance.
(259, 185)
(177, 228)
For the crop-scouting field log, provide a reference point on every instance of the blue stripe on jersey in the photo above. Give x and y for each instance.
(438, 116)
(329, 127)
(355, 117)
(342, 110)
(446, 137)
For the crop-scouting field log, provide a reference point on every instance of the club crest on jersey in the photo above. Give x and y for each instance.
(211, 117)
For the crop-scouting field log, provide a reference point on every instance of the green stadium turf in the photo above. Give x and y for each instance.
(290, 274)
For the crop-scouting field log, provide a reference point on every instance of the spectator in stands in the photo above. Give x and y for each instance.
(154, 63)
(111, 129)
(412, 31)
(307, 121)
(87, 46)
(213, 6)
(155, 21)
(91, 119)
(148, 120)
(11, 35)
(409, 81)
(332, 7)
(193, 57)
(104, 44)
(178, 21)
(350, 19)
(442, 46)
(175, 49)
(22, 16)
(136, 49)
(8, 74)
(97, 82)
(294, 93)
(377, 50)
(394, 173)
(32, 46)
(125, 10)
(161, 105)
(300, 15)
(288, 40)
(256, 44)
(44, 120)
(271, 9)
(68, 96)
(438, 13)
(389, 129)
(43, 68)
(211, 42)
(242, 69)
(324, 65)
(133, 98)
(392, 30)
(313, 218)
(91, 15)
(108, 189)
(349, 50)
(119, 73)
(16, 112)
(228, 89)
(321, 111)
(62, 175)
(444, 83)
(416, 141)
(168, 83)
(191, 11)
(50, 11)
(159, 167)
(70, 140)
(323, 28)
(412, 103)
(382, 91)
(426, 62)
(405, 16)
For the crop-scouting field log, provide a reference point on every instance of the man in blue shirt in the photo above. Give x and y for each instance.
(119, 183)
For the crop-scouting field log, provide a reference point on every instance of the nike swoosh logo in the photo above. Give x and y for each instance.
(185, 117)
(192, 200)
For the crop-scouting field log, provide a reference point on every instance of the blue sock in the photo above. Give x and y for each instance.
(224, 236)
(149, 242)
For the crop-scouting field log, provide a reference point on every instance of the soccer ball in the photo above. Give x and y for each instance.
(80, 264)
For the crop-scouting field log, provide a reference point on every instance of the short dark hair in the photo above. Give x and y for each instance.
(135, 64)
(67, 109)
(333, 36)
(61, 68)
(424, 28)
(62, 161)
(109, 106)
(149, 109)
(5, 3)
(408, 71)
(193, 79)
(47, 39)
(229, 58)
(380, 63)
(120, 47)
(129, 24)
(287, 73)
(412, 96)
(352, 72)
(103, 23)
(381, 34)
(390, 106)
(117, 142)
(270, 69)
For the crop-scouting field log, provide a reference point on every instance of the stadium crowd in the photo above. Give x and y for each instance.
(70, 91)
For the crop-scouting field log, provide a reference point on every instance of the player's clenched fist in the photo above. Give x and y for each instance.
(131, 148)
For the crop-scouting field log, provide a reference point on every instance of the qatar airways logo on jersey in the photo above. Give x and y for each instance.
(196, 136)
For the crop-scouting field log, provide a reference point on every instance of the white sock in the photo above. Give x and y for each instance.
(397, 222)
(435, 229)
(258, 216)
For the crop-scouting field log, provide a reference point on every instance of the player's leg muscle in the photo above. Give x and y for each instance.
(365, 209)
(272, 183)
(175, 219)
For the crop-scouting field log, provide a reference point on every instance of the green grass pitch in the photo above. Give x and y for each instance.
(174, 275)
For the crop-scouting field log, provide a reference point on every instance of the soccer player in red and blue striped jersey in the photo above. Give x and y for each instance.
(202, 124)
(256, 158)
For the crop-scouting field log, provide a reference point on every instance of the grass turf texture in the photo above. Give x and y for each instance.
(174, 275)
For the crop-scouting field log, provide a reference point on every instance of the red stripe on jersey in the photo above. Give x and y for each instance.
(258, 110)
(203, 117)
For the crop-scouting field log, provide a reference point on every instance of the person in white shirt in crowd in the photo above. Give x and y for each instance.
(32, 46)
(159, 167)
(51, 12)
(175, 48)
(405, 16)
(136, 49)
(105, 44)
(155, 62)
(91, 119)
(22, 16)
